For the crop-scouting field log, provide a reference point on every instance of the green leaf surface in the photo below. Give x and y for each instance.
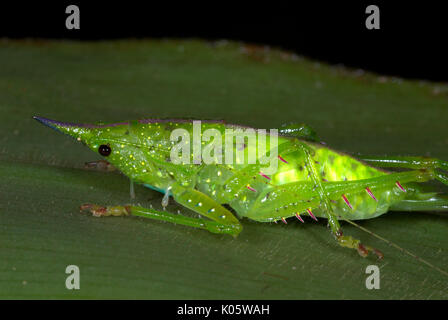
(42, 180)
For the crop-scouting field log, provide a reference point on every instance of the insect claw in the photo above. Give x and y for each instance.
(95, 210)
(100, 211)
(311, 214)
(346, 201)
(299, 217)
(363, 252)
(371, 193)
(86, 206)
(281, 159)
(378, 253)
(400, 186)
(284, 220)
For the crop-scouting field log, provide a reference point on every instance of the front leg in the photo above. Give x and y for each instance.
(220, 219)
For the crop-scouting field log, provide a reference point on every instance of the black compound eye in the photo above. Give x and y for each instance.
(104, 150)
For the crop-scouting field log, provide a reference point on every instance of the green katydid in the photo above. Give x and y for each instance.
(311, 179)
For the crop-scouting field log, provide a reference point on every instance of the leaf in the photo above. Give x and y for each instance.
(42, 180)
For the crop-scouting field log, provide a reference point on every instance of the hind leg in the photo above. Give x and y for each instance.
(431, 202)
(410, 163)
(319, 190)
(335, 189)
(327, 191)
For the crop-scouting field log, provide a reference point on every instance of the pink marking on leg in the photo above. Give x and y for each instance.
(284, 220)
(281, 159)
(400, 186)
(371, 194)
(311, 214)
(251, 189)
(264, 176)
(299, 217)
(346, 201)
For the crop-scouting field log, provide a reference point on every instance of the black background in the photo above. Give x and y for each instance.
(278, 309)
(411, 43)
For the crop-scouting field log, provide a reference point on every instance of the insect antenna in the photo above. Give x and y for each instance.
(397, 247)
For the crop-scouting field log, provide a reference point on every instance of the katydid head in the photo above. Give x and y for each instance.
(118, 143)
(80, 132)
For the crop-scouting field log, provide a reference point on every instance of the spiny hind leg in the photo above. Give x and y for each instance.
(220, 219)
(334, 191)
(346, 188)
(343, 188)
(410, 163)
(340, 189)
